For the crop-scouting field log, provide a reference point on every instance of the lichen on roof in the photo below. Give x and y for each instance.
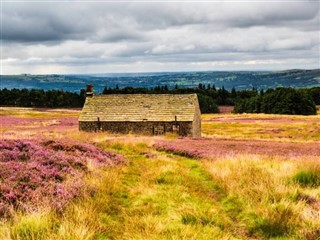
(139, 107)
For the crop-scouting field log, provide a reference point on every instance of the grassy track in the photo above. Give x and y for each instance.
(166, 197)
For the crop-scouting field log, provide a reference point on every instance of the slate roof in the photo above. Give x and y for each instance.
(139, 107)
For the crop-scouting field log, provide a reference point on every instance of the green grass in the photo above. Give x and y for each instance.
(168, 197)
(307, 178)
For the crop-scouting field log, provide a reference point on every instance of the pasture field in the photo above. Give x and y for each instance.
(251, 176)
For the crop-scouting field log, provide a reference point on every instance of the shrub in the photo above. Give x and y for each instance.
(189, 219)
(276, 222)
(307, 178)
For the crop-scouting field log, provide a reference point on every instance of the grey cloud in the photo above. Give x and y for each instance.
(37, 22)
(16, 28)
(31, 22)
(120, 21)
(274, 14)
(76, 33)
(227, 14)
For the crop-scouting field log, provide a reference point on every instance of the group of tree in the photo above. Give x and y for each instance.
(209, 97)
(281, 100)
(289, 101)
(221, 96)
(41, 98)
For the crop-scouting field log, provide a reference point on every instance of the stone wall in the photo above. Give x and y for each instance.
(146, 128)
(196, 125)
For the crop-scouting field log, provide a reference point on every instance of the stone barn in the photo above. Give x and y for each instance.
(149, 114)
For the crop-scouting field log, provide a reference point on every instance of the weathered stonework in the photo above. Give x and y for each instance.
(146, 128)
(196, 124)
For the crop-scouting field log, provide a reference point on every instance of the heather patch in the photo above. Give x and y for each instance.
(33, 172)
(172, 148)
(209, 147)
(19, 123)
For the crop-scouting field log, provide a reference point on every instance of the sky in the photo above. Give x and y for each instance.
(67, 37)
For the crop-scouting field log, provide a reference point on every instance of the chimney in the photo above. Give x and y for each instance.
(89, 91)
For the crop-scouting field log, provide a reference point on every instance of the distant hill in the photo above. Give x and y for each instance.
(241, 80)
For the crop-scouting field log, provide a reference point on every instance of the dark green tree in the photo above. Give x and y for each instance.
(207, 104)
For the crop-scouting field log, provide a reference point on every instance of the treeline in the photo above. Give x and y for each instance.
(281, 100)
(221, 96)
(208, 95)
(288, 100)
(41, 98)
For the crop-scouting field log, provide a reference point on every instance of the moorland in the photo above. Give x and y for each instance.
(250, 176)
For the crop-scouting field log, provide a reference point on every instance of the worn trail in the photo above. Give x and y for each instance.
(166, 196)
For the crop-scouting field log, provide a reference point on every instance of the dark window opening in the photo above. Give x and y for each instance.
(158, 130)
(176, 128)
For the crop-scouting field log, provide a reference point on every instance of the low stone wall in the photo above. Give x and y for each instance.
(145, 128)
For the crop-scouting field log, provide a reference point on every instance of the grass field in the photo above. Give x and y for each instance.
(252, 176)
(262, 126)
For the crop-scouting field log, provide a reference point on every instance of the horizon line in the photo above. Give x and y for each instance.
(146, 72)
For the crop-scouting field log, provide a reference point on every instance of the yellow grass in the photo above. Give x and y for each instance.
(286, 128)
(38, 112)
(266, 189)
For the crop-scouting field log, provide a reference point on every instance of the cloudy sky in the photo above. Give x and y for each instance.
(43, 37)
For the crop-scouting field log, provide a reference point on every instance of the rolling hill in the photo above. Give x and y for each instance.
(239, 79)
